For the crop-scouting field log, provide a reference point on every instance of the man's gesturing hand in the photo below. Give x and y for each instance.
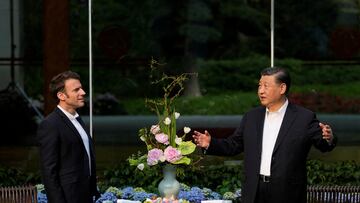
(202, 139)
(326, 132)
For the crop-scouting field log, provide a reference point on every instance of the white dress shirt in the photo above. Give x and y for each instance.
(272, 124)
(81, 131)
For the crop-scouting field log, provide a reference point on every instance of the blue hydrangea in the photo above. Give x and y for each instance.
(193, 195)
(127, 193)
(107, 196)
(142, 196)
(210, 195)
(214, 195)
(41, 197)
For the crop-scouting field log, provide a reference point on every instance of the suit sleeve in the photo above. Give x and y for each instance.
(49, 145)
(231, 145)
(315, 134)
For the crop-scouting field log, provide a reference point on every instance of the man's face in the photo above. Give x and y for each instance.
(271, 93)
(73, 95)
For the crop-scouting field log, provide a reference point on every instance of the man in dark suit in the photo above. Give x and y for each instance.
(275, 138)
(66, 149)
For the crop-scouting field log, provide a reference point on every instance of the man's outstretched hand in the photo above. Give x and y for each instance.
(326, 132)
(202, 139)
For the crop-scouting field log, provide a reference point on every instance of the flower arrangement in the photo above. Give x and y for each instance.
(164, 145)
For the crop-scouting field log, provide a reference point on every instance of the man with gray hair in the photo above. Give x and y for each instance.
(275, 138)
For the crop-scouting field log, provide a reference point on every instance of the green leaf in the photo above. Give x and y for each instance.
(187, 147)
(143, 132)
(133, 162)
(184, 160)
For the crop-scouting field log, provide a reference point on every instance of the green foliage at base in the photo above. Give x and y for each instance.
(13, 177)
(224, 178)
(334, 173)
(219, 178)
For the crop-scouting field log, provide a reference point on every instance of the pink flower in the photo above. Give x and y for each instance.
(154, 156)
(162, 138)
(155, 129)
(172, 154)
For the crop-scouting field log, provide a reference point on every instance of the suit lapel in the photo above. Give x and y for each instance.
(260, 129)
(289, 118)
(68, 123)
(79, 119)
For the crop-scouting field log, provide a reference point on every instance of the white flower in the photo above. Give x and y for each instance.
(140, 167)
(162, 158)
(177, 115)
(167, 121)
(143, 138)
(178, 140)
(187, 130)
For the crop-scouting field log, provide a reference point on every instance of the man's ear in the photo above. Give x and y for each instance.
(61, 96)
(283, 87)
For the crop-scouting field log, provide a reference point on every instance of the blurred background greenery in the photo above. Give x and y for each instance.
(226, 42)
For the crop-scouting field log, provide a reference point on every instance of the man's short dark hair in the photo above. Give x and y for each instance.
(57, 83)
(281, 76)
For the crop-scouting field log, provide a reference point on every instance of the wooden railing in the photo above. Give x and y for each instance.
(333, 194)
(18, 194)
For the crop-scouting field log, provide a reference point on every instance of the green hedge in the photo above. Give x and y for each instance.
(334, 173)
(243, 74)
(12, 177)
(230, 75)
(224, 178)
(121, 89)
(219, 178)
(132, 80)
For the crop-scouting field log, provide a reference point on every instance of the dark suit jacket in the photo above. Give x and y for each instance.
(64, 161)
(298, 132)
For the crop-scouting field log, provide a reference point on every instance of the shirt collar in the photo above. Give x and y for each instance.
(69, 115)
(282, 108)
